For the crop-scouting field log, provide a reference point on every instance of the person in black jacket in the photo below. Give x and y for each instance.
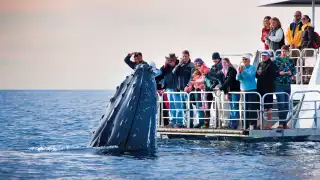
(212, 80)
(137, 59)
(230, 84)
(170, 80)
(308, 41)
(308, 35)
(215, 69)
(266, 77)
(183, 72)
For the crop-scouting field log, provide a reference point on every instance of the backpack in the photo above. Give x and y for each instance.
(316, 43)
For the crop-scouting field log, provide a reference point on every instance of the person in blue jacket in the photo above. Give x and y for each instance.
(247, 77)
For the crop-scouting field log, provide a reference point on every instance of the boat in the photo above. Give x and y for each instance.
(304, 110)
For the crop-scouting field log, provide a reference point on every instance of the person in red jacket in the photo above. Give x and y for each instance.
(265, 30)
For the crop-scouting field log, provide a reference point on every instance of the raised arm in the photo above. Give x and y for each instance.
(131, 64)
(251, 73)
(176, 69)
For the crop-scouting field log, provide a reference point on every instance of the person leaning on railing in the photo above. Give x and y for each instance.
(229, 85)
(183, 72)
(247, 77)
(197, 81)
(285, 71)
(212, 80)
(266, 76)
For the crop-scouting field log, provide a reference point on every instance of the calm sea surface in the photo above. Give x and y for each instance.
(45, 135)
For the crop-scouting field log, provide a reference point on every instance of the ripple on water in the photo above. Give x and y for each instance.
(45, 135)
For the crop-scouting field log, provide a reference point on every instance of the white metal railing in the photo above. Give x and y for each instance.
(245, 107)
(181, 102)
(202, 106)
(242, 108)
(311, 105)
(288, 111)
(304, 60)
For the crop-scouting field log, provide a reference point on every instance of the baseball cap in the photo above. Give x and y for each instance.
(246, 56)
(265, 53)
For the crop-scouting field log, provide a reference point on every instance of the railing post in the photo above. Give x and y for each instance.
(162, 120)
(301, 69)
(261, 111)
(316, 114)
(188, 110)
(244, 111)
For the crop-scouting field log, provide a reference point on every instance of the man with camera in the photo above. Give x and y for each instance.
(172, 86)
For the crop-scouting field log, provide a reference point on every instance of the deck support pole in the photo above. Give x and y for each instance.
(313, 13)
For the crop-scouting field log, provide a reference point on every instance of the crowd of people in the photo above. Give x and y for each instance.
(270, 76)
(299, 35)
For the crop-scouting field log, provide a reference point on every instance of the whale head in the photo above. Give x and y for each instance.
(130, 119)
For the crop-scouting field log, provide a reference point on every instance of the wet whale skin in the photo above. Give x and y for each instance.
(130, 119)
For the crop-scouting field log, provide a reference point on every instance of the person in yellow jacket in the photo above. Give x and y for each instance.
(294, 32)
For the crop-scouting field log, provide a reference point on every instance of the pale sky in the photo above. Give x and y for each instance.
(78, 44)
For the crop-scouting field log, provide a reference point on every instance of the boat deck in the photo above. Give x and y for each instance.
(238, 135)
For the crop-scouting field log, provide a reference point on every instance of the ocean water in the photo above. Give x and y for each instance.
(45, 135)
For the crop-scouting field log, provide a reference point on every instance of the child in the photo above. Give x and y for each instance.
(196, 85)
(203, 70)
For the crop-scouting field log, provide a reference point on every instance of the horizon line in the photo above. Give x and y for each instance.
(56, 89)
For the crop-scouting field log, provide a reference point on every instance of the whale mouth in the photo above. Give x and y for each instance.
(130, 118)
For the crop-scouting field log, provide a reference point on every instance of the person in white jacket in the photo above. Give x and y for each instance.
(275, 38)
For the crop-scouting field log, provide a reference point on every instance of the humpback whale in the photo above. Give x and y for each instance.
(130, 119)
